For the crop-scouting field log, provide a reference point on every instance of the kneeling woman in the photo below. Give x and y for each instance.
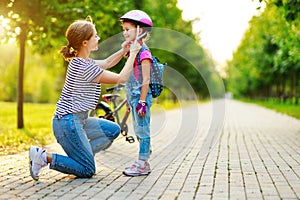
(79, 135)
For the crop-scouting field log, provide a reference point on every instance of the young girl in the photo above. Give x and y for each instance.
(137, 22)
(79, 135)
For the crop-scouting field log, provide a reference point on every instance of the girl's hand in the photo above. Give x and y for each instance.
(141, 108)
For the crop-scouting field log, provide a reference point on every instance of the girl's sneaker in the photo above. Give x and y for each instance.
(138, 168)
(36, 164)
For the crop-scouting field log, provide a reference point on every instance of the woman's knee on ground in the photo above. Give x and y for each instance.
(89, 171)
(114, 134)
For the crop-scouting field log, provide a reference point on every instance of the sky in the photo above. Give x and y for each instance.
(222, 23)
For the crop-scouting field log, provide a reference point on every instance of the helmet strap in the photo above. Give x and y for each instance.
(141, 36)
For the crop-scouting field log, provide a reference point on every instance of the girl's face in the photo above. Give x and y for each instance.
(92, 43)
(129, 31)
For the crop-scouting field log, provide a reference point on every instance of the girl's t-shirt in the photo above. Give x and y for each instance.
(79, 93)
(145, 54)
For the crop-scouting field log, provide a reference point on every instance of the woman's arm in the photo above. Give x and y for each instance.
(108, 77)
(114, 58)
(111, 60)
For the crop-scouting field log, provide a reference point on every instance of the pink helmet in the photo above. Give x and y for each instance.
(137, 16)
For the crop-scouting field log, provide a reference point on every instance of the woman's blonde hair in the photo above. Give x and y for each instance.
(76, 33)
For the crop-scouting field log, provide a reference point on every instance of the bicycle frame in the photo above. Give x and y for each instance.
(113, 114)
(117, 108)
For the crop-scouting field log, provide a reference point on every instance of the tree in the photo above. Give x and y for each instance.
(42, 23)
(268, 56)
(35, 21)
(20, 20)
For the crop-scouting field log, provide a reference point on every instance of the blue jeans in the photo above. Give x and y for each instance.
(141, 125)
(81, 137)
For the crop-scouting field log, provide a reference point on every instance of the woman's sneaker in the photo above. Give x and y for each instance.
(138, 168)
(36, 164)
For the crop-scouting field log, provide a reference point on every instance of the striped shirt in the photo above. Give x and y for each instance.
(79, 93)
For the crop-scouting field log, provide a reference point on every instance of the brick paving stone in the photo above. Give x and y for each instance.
(198, 153)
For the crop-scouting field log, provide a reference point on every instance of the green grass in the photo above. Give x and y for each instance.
(281, 107)
(37, 123)
(37, 131)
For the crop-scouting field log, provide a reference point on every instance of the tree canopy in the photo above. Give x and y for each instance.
(267, 62)
(39, 28)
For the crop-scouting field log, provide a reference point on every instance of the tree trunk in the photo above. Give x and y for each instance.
(293, 85)
(284, 94)
(278, 88)
(296, 87)
(21, 77)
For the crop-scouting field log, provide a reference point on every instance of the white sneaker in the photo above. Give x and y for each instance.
(138, 168)
(36, 165)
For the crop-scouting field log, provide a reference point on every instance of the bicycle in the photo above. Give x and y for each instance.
(112, 114)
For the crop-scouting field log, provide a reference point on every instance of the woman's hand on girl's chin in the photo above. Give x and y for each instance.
(126, 46)
(135, 47)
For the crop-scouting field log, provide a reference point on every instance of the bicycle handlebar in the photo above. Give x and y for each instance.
(116, 87)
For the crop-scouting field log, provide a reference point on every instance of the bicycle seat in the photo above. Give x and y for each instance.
(110, 96)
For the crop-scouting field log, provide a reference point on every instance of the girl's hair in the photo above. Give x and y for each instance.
(76, 33)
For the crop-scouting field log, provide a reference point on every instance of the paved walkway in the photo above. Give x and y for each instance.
(198, 153)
